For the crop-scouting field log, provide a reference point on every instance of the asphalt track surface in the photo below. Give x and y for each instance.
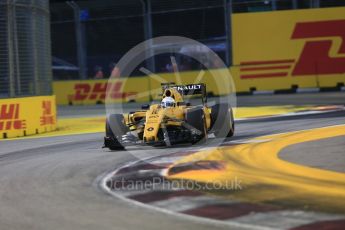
(328, 154)
(53, 183)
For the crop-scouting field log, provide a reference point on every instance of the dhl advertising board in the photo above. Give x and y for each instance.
(282, 49)
(138, 89)
(99, 91)
(27, 116)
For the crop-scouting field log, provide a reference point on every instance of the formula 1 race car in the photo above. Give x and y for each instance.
(170, 122)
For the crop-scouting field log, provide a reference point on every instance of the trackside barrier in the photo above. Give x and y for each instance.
(290, 49)
(138, 89)
(27, 116)
(94, 91)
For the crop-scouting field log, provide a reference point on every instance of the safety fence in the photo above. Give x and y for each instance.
(25, 52)
(27, 116)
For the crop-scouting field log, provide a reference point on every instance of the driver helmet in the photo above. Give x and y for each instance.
(168, 102)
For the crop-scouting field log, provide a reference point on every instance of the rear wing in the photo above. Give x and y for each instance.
(188, 90)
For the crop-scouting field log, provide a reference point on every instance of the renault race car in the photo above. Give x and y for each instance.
(170, 122)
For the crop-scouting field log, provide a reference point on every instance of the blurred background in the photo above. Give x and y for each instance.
(104, 30)
(43, 41)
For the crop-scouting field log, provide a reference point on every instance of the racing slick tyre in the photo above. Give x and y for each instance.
(222, 120)
(114, 129)
(196, 119)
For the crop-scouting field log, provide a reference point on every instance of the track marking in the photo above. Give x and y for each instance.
(173, 203)
(257, 165)
(177, 214)
(286, 219)
(165, 160)
(179, 204)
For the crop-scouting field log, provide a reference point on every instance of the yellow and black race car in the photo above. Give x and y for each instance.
(172, 121)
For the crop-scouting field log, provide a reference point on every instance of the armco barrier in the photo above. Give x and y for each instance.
(27, 116)
(289, 49)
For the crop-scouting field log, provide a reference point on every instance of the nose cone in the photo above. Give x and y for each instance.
(152, 126)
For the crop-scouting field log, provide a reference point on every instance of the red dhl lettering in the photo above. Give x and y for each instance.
(47, 120)
(9, 118)
(315, 58)
(47, 107)
(9, 111)
(47, 117)
(85, 91)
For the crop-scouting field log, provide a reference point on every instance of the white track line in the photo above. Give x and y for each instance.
(248, 141)
(129, 193)
(284, 219)
(184, 203)
(165, 160)
(307, 90)
(263, 92)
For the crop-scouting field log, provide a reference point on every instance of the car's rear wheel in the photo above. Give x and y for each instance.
(195, 119)
(114, 129)
(222, 120)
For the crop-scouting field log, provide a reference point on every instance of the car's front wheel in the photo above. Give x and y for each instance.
(114, 129)
(195, 122)
(222, 120)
